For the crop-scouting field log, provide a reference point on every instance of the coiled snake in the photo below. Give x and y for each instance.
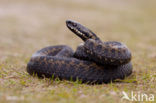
(93, 62)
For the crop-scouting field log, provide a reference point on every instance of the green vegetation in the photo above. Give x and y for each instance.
(29, 25)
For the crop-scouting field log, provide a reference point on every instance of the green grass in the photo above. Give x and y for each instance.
(29, 25)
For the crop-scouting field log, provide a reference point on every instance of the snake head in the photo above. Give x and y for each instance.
(81, 31)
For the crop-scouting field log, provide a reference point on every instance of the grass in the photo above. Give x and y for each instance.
(29, 25)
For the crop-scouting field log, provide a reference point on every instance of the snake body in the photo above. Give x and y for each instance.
(93, 61)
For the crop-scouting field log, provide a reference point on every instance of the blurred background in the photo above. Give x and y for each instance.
(29, 25)
(36, 23)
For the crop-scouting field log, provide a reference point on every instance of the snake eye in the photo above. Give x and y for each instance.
(74, 24)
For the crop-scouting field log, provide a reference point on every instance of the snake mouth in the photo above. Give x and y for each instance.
(81, 31)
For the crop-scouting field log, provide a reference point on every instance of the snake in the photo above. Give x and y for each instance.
(93, 61)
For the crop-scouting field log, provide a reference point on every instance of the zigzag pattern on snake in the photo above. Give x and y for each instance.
(93, 61)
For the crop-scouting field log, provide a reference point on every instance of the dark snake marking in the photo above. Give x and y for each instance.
(93, 62)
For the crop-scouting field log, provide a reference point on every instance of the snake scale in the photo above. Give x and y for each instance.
(93, 61)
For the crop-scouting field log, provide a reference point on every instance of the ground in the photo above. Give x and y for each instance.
(29, 25)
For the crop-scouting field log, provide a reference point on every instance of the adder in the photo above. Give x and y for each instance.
(93, 61)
